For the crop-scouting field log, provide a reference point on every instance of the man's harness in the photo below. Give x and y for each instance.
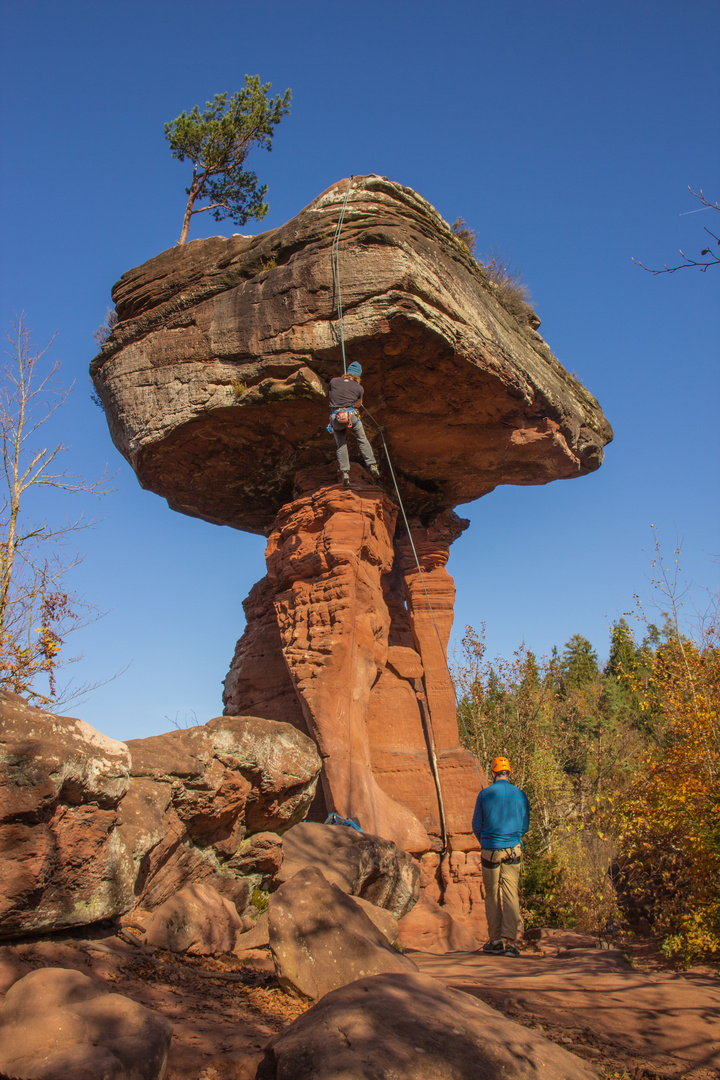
(344, 417)
(511, 859)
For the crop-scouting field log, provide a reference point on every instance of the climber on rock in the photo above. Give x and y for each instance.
(346, 396)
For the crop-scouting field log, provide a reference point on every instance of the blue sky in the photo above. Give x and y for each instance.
(566, 134)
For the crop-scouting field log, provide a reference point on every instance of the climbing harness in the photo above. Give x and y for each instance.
(344, 418)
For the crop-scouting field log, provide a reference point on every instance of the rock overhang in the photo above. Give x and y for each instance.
(215, 378)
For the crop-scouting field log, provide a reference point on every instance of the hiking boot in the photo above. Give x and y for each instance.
(511, 950)
(346, 480)
(494, 947)
(374, 472)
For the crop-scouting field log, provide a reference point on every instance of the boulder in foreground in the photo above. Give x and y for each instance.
(411, 1027)
(62, 862)
(56, 1023)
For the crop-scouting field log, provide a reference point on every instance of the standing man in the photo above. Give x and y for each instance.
(346, 396)
(501, 819)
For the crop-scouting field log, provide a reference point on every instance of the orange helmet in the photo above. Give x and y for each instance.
(500, 764)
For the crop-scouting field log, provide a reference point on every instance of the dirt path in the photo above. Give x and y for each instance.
(596, 1005)
(633, 1025)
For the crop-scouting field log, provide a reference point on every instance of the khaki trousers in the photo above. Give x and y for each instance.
(500, 881)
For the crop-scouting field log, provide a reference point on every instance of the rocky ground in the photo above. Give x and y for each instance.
(636, 1019)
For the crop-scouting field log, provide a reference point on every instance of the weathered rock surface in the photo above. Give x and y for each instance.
(196, 920)
(364, 866)
(410, 1026)
(90, 828)
(199, 793)
(635, 1021)
(214, 378)
(58, 1023)
(385, 921)
(62, 861)
(256, 937)
(431, 928)
(321, 939)
(214, 382)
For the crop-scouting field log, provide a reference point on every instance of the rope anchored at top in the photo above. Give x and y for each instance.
(335, 259)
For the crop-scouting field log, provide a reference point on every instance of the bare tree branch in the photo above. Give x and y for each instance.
(37, 612)
(707, 256)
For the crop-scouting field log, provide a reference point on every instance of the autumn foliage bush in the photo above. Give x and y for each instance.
(622, 769)
(667, 823)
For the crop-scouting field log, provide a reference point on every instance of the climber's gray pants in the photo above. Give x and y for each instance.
(363, 445)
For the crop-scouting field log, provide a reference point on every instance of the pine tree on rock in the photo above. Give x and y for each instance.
(217, 142)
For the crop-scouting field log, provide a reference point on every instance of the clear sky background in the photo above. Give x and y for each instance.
(565, 133)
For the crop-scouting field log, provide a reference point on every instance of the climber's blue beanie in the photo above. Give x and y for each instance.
(354, 368)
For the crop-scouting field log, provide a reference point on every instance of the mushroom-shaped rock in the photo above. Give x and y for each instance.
(214, 379)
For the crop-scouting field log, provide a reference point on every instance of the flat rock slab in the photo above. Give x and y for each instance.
(411, 1027)
(60, 1023)
(670, 1020)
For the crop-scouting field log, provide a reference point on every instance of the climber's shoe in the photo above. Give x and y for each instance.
(511, 950)
(346, 480)
(495, 947)
(374, 472)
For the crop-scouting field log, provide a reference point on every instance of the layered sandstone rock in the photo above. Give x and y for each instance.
(201, 801)
(91, 828)
(215, 381)
(62, 861)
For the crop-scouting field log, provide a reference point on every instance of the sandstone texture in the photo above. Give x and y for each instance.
(196, 920)
(431, 928)
(667, 1023)
(62, 861)
(321, 939)
(214, 379)
(198, 795)
(637, 1021)
(214, 382)
(58, 1023)
(91, 828)
(410, 1026)
(367, 867)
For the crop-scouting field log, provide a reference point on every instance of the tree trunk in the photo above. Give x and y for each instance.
(186, 221)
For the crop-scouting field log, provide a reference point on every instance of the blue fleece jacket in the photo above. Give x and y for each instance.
(502, 815)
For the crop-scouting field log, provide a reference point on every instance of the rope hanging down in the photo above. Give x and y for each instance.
(335, 260)
(381, 431)
(425, 714)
